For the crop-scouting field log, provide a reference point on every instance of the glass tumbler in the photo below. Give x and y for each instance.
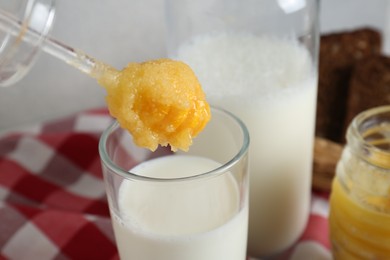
(173, 206)
(258, 59)
(24, 25)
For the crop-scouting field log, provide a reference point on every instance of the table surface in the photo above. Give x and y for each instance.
(53, 203)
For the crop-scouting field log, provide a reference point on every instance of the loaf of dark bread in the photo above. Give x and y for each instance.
(369, 86)
(338, 55)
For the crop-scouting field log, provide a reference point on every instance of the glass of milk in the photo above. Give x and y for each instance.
(187, 205)
(258, 59)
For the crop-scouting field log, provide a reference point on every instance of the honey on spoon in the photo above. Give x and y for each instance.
(160, 102)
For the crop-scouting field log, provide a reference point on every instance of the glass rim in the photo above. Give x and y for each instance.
(106, 160)
(362, 147)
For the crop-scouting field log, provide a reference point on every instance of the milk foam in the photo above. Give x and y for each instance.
(279, 65)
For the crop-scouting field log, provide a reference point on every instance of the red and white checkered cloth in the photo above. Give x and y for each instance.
(52, 198)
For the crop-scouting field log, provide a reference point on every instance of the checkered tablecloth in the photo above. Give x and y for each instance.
(52, 198)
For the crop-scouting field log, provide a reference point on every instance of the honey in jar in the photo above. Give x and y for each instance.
(359, 218)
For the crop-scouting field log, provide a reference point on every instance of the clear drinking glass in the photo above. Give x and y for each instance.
(173, 206)
(258, 59)
(17, 18)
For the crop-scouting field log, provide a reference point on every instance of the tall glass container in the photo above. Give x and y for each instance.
(258, 59)
(18, 47)
(360, 199)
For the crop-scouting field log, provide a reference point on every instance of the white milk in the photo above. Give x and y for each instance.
(271, 85)
(192, 220)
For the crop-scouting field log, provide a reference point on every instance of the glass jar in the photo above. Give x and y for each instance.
(24, 25)
(360, 199)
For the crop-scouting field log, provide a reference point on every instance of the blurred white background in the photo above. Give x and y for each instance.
(118, 32)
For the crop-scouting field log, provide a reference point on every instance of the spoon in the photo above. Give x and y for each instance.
(159, 102)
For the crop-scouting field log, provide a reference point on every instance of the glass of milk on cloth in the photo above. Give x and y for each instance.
(258, 59)
(185, 205)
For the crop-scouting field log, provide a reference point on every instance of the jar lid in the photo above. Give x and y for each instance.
(24, 25)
